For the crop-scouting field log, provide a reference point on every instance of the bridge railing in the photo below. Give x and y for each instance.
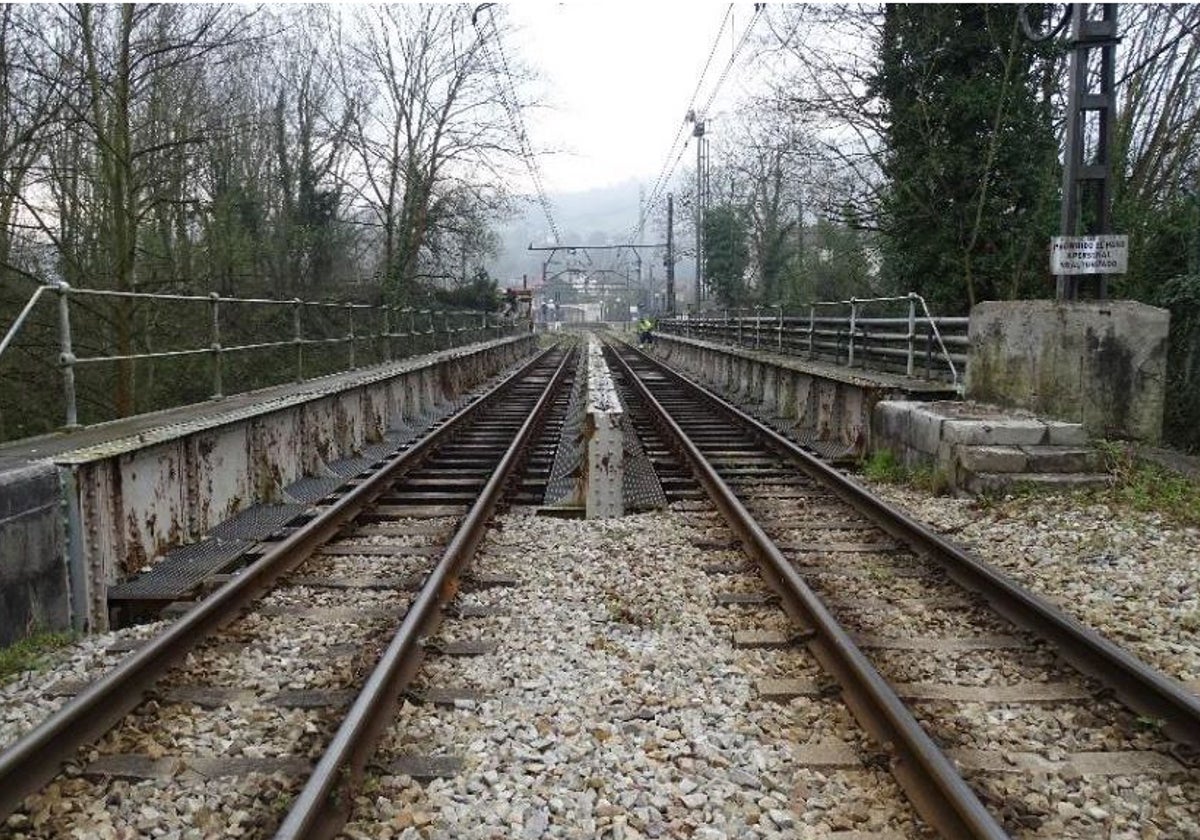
(888, 334)
(380, 327)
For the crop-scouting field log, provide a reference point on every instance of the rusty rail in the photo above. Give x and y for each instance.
(926, 774)
(36, 757)
(1142, 688)
(321, 808)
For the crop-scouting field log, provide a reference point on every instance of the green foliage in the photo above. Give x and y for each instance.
(1181, 295)
(971, 166)
(833, 265)
(481, 293)
(726, 254)
(882, 465)
(1149, 487)
(30, 653)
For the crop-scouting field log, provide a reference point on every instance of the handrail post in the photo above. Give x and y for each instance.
(779, 331)
(812, 327)
(929, 352)
(66, 355)
(387, 333)
(912, 332)
(757, 326)
(350, 335)
(298, 336)
(214, 305)
(850, 342)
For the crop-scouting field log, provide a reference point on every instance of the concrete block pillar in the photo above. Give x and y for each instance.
(1099, 363)
(34, 587)
(605, 479)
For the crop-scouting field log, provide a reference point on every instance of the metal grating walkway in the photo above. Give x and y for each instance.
(180, 571)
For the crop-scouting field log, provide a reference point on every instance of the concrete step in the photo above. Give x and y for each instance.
(926, 426)
(1064, 459)
(988, 482)
(1028, 459)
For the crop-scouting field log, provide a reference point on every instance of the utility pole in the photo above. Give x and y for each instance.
(1083, 180)
(670, 260)
(698, 133)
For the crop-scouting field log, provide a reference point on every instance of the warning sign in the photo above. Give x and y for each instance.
(1106, 254)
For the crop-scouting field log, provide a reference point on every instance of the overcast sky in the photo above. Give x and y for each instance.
(618, 77)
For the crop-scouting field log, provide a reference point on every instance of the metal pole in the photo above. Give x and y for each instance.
(779, 333)
(387, 333)
(350, 337)
(215, 307)
(670, 254)
(850, 343)
(698, 133)
(66, 356)
(812, 326)
(1088, 35)
(298, 337)
(912, 327)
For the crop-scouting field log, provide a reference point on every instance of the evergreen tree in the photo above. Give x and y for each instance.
(971, 166)
(726, 254)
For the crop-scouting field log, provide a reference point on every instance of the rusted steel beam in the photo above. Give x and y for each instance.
(36, 758)
(322, 807)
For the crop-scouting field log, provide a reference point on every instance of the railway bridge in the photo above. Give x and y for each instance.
(557, 584)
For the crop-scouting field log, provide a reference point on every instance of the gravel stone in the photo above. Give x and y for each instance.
(616, 706)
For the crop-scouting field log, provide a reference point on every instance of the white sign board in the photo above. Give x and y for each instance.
(1106, 254)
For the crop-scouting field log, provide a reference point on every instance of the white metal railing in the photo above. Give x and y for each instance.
(458, 327)
(855, 337)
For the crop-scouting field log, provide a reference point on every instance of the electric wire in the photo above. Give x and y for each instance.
(535, 170)
(668, 167)
(737, 51)
(692, 100)
(660, 184)
(512, 106)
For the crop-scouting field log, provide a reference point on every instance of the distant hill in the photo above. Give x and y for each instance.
(601, 216)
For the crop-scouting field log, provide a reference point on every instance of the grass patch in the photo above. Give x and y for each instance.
(884, 467)
(1149, 487)
(29, 653)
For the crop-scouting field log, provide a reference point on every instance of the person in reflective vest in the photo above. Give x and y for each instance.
(645, 329)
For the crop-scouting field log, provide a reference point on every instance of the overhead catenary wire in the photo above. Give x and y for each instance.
(669, 164)
(733, 58)
(660, 184)
(512, 106)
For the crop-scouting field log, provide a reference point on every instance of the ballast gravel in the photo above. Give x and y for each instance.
(29, 697)
(1134, 576)
(616, 706)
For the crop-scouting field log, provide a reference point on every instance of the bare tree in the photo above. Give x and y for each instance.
(430, 138)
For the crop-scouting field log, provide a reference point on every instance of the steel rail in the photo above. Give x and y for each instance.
(1145, 690)
(926, 774)
(322, 807)
(35, 758)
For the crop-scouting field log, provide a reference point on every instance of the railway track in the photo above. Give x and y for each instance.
(951, 667)
(306, 649)
(569, 681)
